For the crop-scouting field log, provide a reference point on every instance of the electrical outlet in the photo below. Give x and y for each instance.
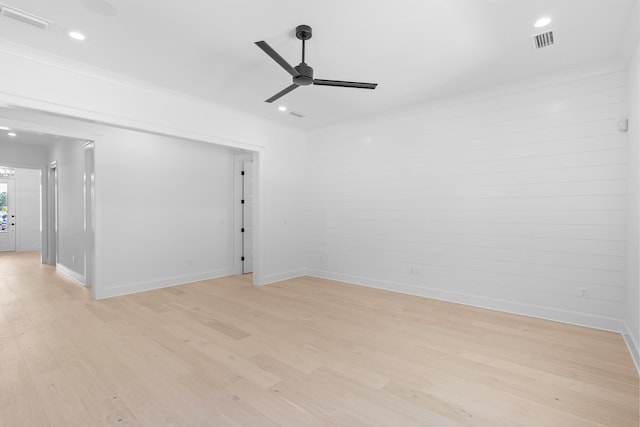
(73, 259)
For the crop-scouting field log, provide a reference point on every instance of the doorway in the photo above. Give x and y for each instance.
(7, 215)
(54, 207)
(20, 209)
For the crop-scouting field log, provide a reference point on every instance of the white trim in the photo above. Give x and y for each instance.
(85, 71)
(73, 275)
(28, 249)
(89, 217)
(50, 216)
(564, 316)
(258, 220)
(132, 288)
(538, 82)
(632, 345)
(286, 275)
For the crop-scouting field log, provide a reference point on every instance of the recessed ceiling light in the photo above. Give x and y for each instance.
(77, 35)
(4, 128)
(11, 134)
(282, 108)
(542, 22)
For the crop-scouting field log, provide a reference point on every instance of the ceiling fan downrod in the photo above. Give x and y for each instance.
(303, 32)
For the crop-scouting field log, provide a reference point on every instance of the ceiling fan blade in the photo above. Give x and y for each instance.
(276, 57)
(339, 83)
(282, 93)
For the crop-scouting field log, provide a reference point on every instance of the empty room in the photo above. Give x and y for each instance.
(357, 213)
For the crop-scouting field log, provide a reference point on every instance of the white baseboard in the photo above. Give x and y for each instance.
(73, 275)
(132, 288)
(564, 316)
(633, 346)
(28, 249)
(272, 278)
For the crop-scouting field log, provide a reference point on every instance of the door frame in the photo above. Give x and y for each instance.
(89, 218)
(51, 217)
(237, 236)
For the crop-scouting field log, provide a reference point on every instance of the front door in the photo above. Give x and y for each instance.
(7, 215)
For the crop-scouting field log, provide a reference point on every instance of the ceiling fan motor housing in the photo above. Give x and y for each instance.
(306, 75)
(303, 32)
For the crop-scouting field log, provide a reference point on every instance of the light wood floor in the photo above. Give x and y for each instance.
(303, 352)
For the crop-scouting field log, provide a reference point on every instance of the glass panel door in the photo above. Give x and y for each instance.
(4, 190)
(7, 215)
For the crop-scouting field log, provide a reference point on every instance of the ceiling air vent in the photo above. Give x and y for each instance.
(543, 39)
(297, 114)
(27, 18)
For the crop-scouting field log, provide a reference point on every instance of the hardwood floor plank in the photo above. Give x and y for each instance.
(302, 352)
(19, 402)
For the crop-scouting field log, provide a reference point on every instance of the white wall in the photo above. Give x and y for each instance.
(35, 80)
(69, 158)
(280, 197)
(632, 297)
(511, 198)
(28, 209)
(167, 215)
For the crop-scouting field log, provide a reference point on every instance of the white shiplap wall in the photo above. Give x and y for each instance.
(512, 198)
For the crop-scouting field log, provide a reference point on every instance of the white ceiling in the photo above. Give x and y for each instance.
(416, 50)
(42, 129)
(29, 137)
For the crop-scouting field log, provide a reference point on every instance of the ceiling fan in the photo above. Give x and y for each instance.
(302, 73)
